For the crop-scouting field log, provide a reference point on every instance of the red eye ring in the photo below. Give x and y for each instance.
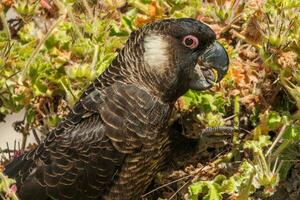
(190, 41)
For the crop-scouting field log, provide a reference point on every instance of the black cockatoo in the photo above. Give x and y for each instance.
(116, 138)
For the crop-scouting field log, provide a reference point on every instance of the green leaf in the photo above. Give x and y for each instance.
(213, 193)
(28, 33)
(195, 189)
(292, 132)
(228, 186)
(52, 121)
(212, 190)
(83, 48)
(257, 146)
(39, 88)
(274, 120)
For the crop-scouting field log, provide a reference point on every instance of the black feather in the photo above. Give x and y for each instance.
(115, 140)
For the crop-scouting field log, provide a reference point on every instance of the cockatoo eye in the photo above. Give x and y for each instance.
(190, 41)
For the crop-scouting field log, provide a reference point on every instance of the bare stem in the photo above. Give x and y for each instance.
(242, 37)
(236, 120)
(37, 139)
(279, 136)
(165, 185)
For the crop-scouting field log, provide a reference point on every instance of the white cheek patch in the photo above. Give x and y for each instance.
(156, 53)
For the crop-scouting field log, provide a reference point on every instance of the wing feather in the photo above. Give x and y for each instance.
(84, 153)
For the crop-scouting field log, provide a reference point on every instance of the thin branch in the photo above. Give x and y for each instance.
(242, 37)
(236, 120)
(167, 184)
(183, 186)
(39, 46)
(218, 129)
(36, 137)
(7, 146)
(279, 136)
(24, 141)
(230, 117)
(231, 24)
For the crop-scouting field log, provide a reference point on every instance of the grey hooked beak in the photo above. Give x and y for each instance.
(214, 58)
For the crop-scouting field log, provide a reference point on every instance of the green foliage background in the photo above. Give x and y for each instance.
(56, 48)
